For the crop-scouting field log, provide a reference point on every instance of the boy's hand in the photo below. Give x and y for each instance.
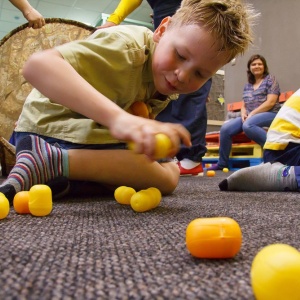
(142, 132)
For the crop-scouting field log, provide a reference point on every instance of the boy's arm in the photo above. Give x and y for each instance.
(124, 8)
(34, 18)
(57, 79)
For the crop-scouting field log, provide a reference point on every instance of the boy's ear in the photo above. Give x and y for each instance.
(160, 30)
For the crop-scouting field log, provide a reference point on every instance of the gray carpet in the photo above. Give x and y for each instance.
(95, 248)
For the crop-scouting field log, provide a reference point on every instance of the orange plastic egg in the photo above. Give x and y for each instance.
(219, 237)
(210, 173)
(140, 109)
(21, 202)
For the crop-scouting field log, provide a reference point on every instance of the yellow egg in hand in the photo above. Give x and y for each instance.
(163, 146)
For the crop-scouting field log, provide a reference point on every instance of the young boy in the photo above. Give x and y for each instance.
(188, 110)
(74, 123)
(281, 168)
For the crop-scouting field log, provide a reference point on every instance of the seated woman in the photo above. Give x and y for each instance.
(281, 168)
(260, 105)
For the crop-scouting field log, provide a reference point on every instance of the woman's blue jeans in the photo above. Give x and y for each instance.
(252, 127)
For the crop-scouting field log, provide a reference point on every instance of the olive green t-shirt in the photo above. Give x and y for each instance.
(117, 62)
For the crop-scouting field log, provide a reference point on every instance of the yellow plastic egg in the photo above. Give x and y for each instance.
(162, 146)
(4, 206)
(275, 273)
(225, 170)
(40, 200)
(143, 201)
(156, 194)
(123, 194)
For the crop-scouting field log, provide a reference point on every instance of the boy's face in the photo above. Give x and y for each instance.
(185, 58)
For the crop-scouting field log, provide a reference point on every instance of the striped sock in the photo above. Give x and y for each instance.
(37, 162)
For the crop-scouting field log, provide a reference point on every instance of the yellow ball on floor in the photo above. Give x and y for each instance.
(4, 206)
(123, 194)
(145, 200)
(275, 273)
(225, 170)
(40, 200)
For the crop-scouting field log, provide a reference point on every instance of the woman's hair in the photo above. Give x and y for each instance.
(229, 21)
(251, 77)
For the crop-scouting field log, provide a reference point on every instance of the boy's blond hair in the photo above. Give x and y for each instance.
(229, 21)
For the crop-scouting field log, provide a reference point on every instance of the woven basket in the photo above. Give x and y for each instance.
(15, 48)
(7, 156)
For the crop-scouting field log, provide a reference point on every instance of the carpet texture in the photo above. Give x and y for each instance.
(91, 247)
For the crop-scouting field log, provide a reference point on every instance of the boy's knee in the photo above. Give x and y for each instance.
(170, 182)
(169, 187)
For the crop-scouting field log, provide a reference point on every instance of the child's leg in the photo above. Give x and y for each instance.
(36, 162)
(122, 167)
(264, 177)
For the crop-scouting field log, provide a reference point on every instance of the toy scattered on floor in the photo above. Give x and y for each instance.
(21, 202)
(123, 194)
(162, 146)
(225, 170)
(210, 173)
(4, 206)
(275, 273)
(219, 237)
(141, 201)
(40, 200)
(145, 200)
